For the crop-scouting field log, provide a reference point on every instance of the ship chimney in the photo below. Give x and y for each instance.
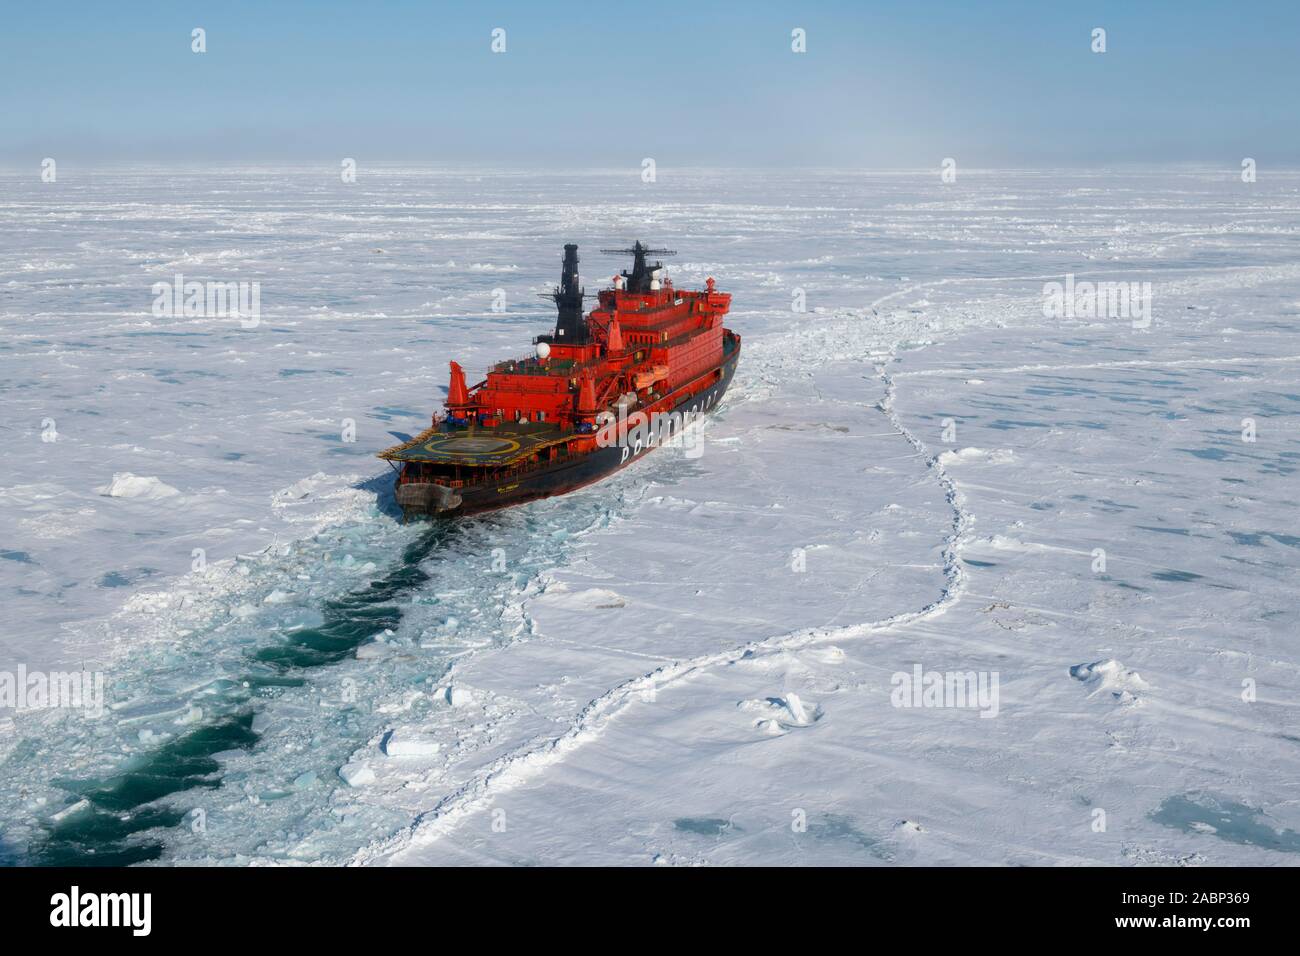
(569, 324)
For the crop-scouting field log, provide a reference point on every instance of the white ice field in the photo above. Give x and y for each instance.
(696, 661)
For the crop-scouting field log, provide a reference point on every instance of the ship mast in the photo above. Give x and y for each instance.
(638, 280)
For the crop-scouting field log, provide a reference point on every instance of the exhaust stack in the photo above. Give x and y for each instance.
(570, 325)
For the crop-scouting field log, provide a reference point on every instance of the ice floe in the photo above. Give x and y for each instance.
(127, 485)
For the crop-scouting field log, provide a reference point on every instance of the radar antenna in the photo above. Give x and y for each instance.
(638, 280)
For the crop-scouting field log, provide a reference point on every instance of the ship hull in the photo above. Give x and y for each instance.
(559, 479)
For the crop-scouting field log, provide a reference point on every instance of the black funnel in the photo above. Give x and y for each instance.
(570, 326)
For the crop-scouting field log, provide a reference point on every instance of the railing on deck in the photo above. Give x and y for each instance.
(534, 367)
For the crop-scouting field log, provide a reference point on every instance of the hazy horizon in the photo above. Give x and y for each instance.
(581, 86)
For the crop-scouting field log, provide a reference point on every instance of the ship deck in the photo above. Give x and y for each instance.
(485, 447)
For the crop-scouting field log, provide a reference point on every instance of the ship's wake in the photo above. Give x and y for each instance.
(117, 818)
(228, 718)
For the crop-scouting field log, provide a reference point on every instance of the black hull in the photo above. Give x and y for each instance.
(570, 474)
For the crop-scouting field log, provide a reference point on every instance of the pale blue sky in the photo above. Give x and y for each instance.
(883, 84)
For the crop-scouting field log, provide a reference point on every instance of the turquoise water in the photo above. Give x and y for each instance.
(120, 823)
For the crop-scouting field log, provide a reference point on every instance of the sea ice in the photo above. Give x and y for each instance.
(1108, 494)
(127, 485)
(409, 744)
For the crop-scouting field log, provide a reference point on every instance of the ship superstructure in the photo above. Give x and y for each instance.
(599, 391)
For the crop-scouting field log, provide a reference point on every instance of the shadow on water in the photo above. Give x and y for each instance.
(114, 823)
(384, 488)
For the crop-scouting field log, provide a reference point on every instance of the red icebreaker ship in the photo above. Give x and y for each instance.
(600, 392)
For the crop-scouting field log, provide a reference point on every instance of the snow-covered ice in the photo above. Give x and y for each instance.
(692, 662)
(127, 485)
